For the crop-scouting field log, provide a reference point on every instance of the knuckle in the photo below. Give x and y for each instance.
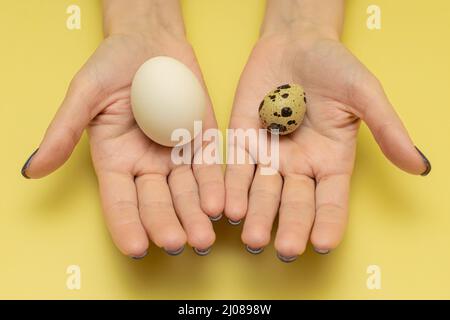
(157, 206)
(188, 194)
(297, 209)
(209, 184)
(264, 194)
(331, 213)
(120, 207)
(237, 189)
(86, 84)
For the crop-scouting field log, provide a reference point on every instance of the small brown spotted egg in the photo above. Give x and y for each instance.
(283, 109)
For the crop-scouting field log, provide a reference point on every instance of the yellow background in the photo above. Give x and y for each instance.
(399, 222)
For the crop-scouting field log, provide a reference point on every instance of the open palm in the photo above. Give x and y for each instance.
(143, 194)
(316, 161)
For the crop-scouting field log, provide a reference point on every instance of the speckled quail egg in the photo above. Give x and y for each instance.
(283, 109)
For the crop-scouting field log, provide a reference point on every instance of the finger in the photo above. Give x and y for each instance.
(119, 202)
(211, 188)
(238, 178)
(296, 217)
(157, 213)
(184, 190)
(64, 131)
(389, 131)
(332, 194)
(264, 199)
(209, 175)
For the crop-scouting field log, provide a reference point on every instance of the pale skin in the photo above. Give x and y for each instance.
(300, 44)
(147, 198)
(144, 196)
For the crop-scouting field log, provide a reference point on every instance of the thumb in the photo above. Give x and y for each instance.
(388, 129)
(64, 131)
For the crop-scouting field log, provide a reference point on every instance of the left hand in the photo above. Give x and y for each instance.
(144, 195)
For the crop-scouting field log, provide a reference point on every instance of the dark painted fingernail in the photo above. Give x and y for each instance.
(202, 252)
(139, 257)
(426, 162)
(286, 259)
(174, 252)
(217, 218)
(27, 164)
(254, 250)
(234, 222)
(322, 251)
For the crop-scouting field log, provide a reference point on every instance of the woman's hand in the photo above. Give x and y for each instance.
(144, 195)
(316, 162)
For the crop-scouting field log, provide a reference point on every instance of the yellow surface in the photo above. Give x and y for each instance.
(399, 222)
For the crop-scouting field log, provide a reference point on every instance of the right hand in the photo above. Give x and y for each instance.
(311, 190)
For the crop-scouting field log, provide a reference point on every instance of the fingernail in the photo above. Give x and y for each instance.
(174, 252)
(426, 162)
(217, 218)
(254, 250)
(27, 164)
(139, 257)
(286, 259)
(322, 251)
(233, 222)
(202, 252)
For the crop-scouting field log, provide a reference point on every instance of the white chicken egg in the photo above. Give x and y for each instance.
(165, 96)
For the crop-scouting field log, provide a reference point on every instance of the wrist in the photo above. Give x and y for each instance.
(305, 18)
(142, 17)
